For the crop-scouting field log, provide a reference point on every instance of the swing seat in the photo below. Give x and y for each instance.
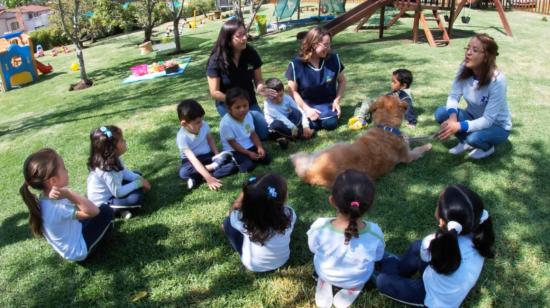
(465, 19)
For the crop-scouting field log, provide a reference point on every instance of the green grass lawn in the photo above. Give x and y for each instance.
(174, 250)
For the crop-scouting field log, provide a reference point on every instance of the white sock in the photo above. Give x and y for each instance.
(345, 297)
(323, 293)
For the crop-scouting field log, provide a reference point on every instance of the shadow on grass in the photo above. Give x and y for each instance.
(12, 230)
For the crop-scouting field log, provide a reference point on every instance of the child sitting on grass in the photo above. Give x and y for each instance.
(198, 152)
(284, 118)
(109, 181)
(71, 224)
(345, 246)
(400, 86)
(260, 223)
(401, 82)
(238, 134)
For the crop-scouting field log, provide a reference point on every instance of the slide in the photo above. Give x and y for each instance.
(44, 69)
(365, 9)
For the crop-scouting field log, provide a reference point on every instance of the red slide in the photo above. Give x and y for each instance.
(354, 15)
(44, 69)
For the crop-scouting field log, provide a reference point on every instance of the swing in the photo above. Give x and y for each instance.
(466, 18)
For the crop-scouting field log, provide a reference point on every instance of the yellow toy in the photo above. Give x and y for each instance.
(75, 67)
(355, 123)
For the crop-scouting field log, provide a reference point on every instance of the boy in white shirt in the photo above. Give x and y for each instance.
(198, 151)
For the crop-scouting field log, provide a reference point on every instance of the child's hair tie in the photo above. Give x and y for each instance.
(453, 225)
(106, 132)
(484, 216)
(271, 192)
(355, 204)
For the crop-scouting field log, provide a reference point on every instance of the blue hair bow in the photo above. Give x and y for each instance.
(271, 192)
(106, 132)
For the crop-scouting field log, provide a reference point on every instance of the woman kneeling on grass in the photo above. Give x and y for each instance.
(486, 121)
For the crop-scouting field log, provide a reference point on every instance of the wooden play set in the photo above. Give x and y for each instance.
(362, 12)
(17, 63)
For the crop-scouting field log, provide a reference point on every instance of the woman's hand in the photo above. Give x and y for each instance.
(266, 92)
(336, 107)
(312, 113)
(213, 183)
(448, 129)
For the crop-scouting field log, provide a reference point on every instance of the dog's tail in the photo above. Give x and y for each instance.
(302, 162)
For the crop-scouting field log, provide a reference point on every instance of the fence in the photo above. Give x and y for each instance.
(536, 6)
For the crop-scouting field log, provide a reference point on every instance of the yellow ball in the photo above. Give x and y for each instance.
(74, 67)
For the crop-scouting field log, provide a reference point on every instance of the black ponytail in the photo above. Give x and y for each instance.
(353, 194)
(484, 238)
(445, 252)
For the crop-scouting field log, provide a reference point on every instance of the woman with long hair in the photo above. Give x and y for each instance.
(234, 63)
(486, 121)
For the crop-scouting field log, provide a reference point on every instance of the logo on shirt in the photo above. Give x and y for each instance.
(485, 99)
(247, 128)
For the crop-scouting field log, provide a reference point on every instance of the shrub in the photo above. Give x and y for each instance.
(49, 38)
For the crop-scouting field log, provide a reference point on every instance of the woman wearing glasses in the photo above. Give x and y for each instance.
(486, 121)
(234, 63)
(316, 80)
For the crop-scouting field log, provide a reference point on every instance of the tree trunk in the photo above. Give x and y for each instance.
(74, 36)
(177, 34)
(80, 56)
(148, 32)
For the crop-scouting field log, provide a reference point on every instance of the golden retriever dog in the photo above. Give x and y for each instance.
(376, 152)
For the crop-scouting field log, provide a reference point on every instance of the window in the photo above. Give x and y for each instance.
(14, 25)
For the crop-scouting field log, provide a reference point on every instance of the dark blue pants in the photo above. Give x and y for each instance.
(279, 127)
(233, 235)
(188, 171)
(246, 164)
(482, 139)
(95, 228)
(260, 125)
(133, 200)
(328, 119)
(394, 278)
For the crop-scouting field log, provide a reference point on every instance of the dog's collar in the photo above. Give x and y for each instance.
(392, 130)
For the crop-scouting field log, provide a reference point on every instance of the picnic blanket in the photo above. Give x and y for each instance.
(183, 63)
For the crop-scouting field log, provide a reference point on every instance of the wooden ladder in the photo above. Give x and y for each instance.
(420, 18)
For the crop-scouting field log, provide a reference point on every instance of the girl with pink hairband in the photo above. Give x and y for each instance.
(346, 246)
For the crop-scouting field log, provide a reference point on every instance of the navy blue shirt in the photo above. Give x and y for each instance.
(241, 75)
(316, 85)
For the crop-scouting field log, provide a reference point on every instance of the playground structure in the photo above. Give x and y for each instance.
(18, 65)
(362, 12)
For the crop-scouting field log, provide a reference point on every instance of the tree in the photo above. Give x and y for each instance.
(146, 16)
(70, 13)
(177, 13)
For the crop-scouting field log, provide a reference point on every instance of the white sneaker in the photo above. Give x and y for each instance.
(479, 153)
(323, 293)
(190, 183)
(460, 148)
(345, 297)
(125, 215)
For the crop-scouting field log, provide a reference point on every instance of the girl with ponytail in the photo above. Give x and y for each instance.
(71, 224)
(449, 261)
(346, 246)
